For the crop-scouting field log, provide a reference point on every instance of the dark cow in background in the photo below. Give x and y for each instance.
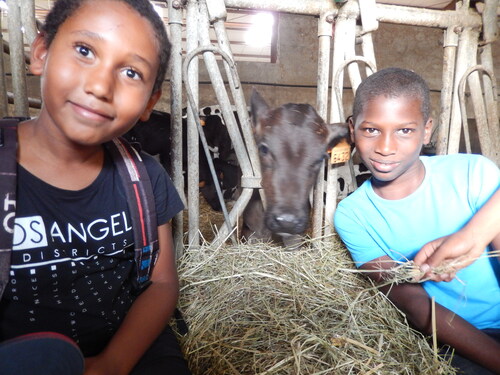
(154, 137)
(292, 141)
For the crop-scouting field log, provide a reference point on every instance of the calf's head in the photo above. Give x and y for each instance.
(292, 141)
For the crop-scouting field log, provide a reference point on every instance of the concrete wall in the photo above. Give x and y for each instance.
(293, 77)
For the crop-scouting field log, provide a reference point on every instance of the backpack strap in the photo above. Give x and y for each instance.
(141, 205)
(8, 183)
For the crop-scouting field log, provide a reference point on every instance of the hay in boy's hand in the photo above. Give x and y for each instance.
(411, 273)
(256, 309)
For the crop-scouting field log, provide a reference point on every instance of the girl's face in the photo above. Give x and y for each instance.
(389, 135)
(98, 73)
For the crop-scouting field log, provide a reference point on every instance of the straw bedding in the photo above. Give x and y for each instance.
(257, 309)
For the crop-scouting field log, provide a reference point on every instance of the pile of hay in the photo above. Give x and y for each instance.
(257, 309)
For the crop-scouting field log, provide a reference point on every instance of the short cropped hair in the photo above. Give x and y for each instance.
(392, 83)
(63, 9)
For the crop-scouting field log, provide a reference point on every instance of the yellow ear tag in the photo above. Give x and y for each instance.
(341, 152)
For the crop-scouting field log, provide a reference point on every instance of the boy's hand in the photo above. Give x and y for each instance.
(442, 258)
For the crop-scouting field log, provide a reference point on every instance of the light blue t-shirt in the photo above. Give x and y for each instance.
(455, 187)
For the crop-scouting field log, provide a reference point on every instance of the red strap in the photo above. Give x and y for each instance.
(141, 206)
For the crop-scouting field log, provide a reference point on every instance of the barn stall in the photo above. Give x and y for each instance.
(318, 47)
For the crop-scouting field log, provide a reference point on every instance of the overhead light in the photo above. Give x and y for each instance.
(3, 5)
(260, 32)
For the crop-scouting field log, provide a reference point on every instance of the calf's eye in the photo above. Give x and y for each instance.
(263, 149)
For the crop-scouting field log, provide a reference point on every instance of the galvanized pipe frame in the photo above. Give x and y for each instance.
(27, 9)
(249, 179)
(344, 23)
(385, 13)
(192, 82)
(325, 31)
(483, 127)
(490, 34)
(17, 64)
(468, 40)
(175, 13)
(217, 15)
(193, 105)
(4, 101)
(449, 65)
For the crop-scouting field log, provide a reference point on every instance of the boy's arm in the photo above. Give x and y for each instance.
(466, 245)
(452, 330)
(147, 317)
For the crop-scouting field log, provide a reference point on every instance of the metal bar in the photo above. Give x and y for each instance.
(217, 14)
(324, 41)
(222, 96)
(18, 67)
(449, 61)
(336, 115)
(476, 94)
(4, 101)
(193, 143)
(175, 25)
(306, 7)
(491, 99)
(368, 10)
(27, 8)
(467, 47)
(350, 52)
(338, 73)
(490, 34)
(193, 107)
(33, 102)
(338, 87)
(368, 52)
(385, 13)
(485, 138)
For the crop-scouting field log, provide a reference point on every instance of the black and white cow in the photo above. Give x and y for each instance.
(154, 137)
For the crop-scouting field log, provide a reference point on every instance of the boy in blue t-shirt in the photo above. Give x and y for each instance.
(101, 65)
(412, 200)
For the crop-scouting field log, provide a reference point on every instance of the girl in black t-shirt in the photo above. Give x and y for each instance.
(102, 64)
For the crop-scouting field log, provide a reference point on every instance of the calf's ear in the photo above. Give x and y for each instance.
(336, 133)
(259, 108)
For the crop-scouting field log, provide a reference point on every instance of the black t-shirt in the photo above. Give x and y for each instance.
(73, 256)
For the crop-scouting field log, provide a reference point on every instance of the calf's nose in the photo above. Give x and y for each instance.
(287, 223)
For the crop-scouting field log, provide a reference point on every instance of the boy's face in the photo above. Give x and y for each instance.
(98, 73)
(389, 135)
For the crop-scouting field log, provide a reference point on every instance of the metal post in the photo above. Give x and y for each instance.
(325, 40)
(193, 148)
(467, 46)
(4, 107)
(485, 138)
(18, 67)
(27, 8)
(221, 93)
(175, 24)
(217, 14)
(340, 34)
(490, 34)
(449, 61)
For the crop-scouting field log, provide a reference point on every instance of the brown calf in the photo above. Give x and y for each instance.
(292, 141)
